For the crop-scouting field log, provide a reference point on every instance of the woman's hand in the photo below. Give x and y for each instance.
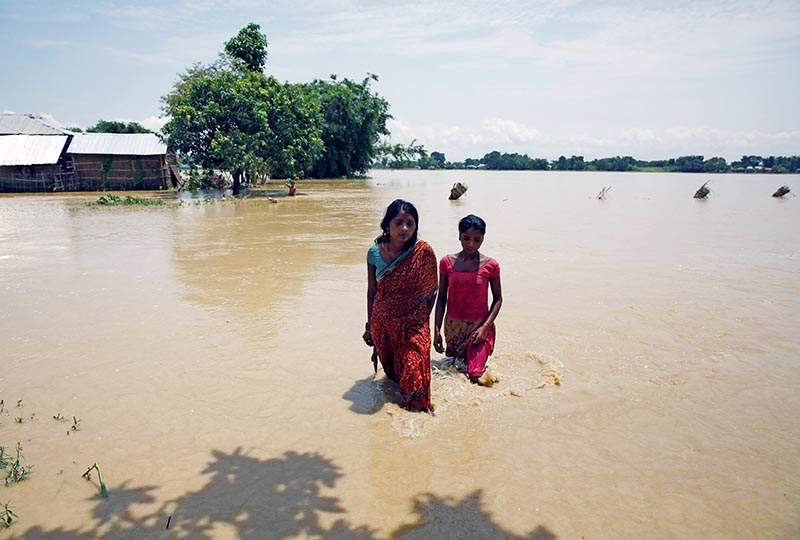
(367, 337)
(438, 345)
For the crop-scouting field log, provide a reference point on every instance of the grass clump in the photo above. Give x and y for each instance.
(6, 515)
(15, 470)
(88, 476)
(116, 200)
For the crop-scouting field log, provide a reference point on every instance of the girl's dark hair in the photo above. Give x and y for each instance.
(397, 206)
(472, 222)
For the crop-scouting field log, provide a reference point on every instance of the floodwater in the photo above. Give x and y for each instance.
(209, 354)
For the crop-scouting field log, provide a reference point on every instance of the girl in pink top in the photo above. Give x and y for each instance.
(464, 282)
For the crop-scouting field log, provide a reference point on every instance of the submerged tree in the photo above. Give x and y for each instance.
(230, 117)
(353, 118)
(400, 156)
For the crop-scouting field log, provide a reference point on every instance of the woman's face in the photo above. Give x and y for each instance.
(402, 226)
(471, 241)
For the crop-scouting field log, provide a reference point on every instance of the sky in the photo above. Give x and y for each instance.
(648, 79)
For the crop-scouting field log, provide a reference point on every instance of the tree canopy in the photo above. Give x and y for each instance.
(232, 119)
(353, 118)
(110, 126)
(249, 46)
(230, 116)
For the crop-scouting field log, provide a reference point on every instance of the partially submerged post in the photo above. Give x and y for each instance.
(783, 190)
(602, 194)
(703, 192)
(457, 191)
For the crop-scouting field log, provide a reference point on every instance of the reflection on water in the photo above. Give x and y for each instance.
(646, 364)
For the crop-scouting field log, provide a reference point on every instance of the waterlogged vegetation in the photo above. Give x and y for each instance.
(13, 466)
(15, 469)
(88, 476)
(115, 200)
(7, 515)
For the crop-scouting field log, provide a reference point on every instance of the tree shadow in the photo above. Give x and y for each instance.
(447, 517)
(252, 499)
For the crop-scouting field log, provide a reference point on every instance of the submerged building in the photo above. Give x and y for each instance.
(35, 156)
(32, 155)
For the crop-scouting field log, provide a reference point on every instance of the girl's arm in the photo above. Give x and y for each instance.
(497, 301)
(441, 305)
(372, 288)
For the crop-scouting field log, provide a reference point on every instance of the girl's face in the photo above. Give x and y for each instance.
(471, 241)
(402, 226)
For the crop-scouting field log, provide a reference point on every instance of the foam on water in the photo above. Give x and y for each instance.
(508, 375)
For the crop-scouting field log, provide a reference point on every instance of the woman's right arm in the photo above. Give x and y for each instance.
(441, 306)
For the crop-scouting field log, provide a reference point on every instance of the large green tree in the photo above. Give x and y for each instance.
(353, 119)
(230, 117)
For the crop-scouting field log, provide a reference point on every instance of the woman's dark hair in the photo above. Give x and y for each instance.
(472, 222)
(397, 206)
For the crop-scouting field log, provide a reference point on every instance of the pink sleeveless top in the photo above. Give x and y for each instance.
(468, 292)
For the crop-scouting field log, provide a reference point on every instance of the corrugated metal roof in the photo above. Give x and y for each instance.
(124, 144)
(31, 149)
(24, 124)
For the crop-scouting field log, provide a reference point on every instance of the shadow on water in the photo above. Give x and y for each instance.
(447, 517)
(365, 397)
(369, 395)
(246, 496)
(252, 499)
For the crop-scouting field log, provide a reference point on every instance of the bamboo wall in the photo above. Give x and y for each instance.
(36, 178)
(103, 172)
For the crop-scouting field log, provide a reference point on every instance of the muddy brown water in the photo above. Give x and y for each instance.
(648, 361)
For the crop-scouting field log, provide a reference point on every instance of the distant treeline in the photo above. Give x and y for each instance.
(416, 157)
(112, 126)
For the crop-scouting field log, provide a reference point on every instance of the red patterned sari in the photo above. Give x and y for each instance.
(400, 323)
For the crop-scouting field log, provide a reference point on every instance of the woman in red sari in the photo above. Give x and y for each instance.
(401, 292)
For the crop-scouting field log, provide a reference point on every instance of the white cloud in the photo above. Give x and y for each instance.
(50, 119)
(509, 131)
(154, 123)
(640, 135)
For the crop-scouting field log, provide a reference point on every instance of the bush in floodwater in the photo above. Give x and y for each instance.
(7, 515)
(115, 200)
(15, 471)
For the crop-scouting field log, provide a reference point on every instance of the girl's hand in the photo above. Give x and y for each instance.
(367, 337)
(480, 335)
(437, 343)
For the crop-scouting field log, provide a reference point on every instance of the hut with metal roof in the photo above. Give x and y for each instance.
(35, 156)
(32, 155)
(27, 124)
(115, 161)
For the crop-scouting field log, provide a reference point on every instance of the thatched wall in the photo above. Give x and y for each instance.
(35, 178)
(104, 172)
